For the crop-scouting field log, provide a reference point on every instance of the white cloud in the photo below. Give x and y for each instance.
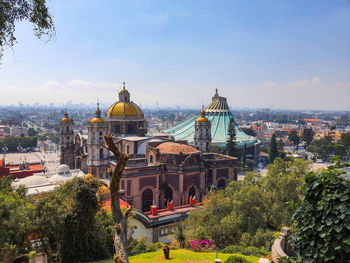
(50, 84)
(315, 82)
(269, 84)
(298, 83)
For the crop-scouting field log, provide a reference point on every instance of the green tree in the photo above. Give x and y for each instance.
(273, 152)
(322, 147)
(340, 150)
(244, 156)
(71, 225)
(16, 221)
(294, 138)
(248, 212)
(231, 140)
(308, 136)
(31, 132)
(345, 139)
(322, 232)
(12, 12)
(280, 145)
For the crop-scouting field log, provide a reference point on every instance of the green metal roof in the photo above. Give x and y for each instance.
(220, 115)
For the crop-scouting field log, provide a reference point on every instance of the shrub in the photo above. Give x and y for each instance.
(247, 251)
(139, 246)
(236, 259)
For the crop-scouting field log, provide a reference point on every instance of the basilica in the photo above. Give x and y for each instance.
(162, 168)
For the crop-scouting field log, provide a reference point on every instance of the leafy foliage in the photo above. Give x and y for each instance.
(231, 140)
(13, 142)
(294, 138)
(71, 226)
(15, 224)
(308, 136)
(14, 11)
(322, 230)
(273, 152)
(322, 147)
(249, 212)
(236, 259)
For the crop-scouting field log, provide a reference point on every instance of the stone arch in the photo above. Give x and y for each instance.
(168, 193)
(170, 160)
(190, 160)
(221, 183)
(191, 192)
(147, 199)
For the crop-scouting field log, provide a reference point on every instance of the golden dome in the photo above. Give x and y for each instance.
(97, 120)
(202, 118)
(124, 108)
(123, 90)
(65, 118)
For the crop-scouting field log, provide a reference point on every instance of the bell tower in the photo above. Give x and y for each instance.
(202, 134)
(67, 141)
(97, 154)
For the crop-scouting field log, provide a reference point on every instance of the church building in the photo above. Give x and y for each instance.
(161, 170)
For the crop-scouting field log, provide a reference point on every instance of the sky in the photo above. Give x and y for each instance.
(280, 54)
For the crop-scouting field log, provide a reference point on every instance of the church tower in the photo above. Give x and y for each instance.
(97, 154)
(202, 134)
(67, 141)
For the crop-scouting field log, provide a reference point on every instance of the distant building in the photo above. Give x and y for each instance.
(219, 115)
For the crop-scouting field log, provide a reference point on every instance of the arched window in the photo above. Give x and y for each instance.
(168, 194)
(101, 154)
(100, 135)
(191, 192)
(147, 200)
(221, 184)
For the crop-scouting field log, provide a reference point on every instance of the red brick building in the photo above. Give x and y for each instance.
(174, 171)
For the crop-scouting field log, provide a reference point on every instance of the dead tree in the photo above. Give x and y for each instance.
(119, 217)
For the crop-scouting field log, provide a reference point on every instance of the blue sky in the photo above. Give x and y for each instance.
(286, 54)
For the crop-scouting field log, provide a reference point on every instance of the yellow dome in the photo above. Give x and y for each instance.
(120, 108)
(65, 118)
(123, 90)
(97, 120)
(202, 119)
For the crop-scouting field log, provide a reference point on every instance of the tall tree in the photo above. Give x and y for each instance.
(244, 156)
(273, 152)
(14, 11)
(308, 136)
(345, 139)
(231, 140)
(120, 217)
(294, 138)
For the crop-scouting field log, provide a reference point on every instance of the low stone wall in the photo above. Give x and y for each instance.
(280, 247)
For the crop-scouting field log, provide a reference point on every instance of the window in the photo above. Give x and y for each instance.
(151, 158)
(67, 139)
(67, 128)
(101, 154)
(127, 149)
(100, 135)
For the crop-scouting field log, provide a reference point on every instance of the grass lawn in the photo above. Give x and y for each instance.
(179, 256)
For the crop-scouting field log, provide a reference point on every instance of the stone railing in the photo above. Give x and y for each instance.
(280, 248)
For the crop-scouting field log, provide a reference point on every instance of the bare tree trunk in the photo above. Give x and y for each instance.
(119, 217)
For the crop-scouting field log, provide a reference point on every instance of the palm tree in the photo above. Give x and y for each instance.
(180, 235)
